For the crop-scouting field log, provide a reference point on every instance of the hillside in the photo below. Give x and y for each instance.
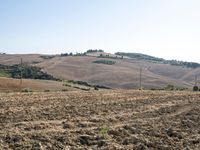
(139, 56)
(123, 73)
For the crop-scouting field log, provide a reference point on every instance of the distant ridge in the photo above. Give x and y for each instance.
(117, 71)
(140, 56)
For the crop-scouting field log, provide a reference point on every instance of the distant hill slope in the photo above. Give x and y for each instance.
(139, 56)
(124, 73)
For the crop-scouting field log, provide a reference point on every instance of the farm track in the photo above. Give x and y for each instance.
(110, 119)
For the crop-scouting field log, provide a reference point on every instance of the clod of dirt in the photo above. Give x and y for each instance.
(195, 140)
(130, 140)
(67, 125)
(85, 139)
(172, 133)
(131, 129)
(38, 146)
(140, 146)
(164, 147)
(101, 143)
(13, 138)
(82, 125)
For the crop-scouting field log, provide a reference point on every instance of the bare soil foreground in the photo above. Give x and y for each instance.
(100, 120)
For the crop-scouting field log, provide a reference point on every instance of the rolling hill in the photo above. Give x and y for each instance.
(123, 73)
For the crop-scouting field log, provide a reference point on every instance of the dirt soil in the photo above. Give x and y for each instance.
(115, 120)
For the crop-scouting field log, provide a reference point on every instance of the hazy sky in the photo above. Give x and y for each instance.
(163, 28)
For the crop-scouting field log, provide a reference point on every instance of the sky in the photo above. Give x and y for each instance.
(168, 29)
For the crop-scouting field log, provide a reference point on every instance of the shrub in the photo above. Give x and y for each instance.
(47, 56)
(26, 90)
(64, 90)
(46, 90)
(67, 85)
(107, 62)
(102, 87)
(169, 87)
(94, 50)
(96, 88)
(104, 131)
(195, 88)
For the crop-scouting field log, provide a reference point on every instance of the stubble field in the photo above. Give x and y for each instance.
(110, 119)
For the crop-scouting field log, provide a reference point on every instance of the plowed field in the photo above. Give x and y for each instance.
(112, 119)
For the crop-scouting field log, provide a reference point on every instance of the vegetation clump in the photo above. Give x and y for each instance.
(107, 62)
(72, 83)
(66, 54)
(47, 90)
(170, 87)
(27, 71)
(94, 51)
(111, 57)
(139, 56)
(47, 56)
(26, 90)
(195, 88)
(104, 131)
(71, 54)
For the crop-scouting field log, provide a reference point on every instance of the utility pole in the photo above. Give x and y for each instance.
(21, 74)
(195, 80)
(140, 78)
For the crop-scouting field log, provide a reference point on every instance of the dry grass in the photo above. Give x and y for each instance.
(100, 120)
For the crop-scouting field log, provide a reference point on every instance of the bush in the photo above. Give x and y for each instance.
(64, 90)
(47, 56)
(67, 85)
(195, 88)
(94, 51)
(26, 90)
(96, 88)
(46, 90)
(169, 87)
(107, 62)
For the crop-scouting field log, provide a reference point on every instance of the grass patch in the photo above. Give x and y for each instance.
(4, 74)
(104, 131)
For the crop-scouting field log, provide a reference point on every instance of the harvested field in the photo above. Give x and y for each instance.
(100, 120)
(13, 85)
